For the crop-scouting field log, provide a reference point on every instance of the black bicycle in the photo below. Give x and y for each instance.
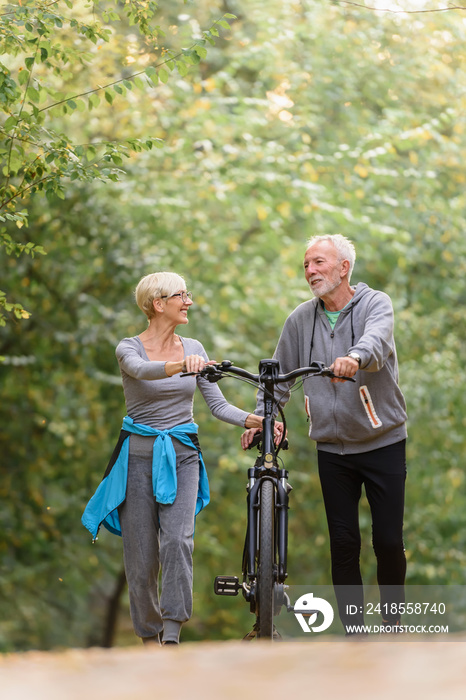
(264, 567)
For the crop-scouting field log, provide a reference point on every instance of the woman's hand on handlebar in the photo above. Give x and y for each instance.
(192, 364)
(253, 422)
(247, 436)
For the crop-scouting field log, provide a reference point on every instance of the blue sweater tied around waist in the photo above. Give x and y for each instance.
(102, 508)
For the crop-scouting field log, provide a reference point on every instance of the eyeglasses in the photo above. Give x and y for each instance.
(184, 296)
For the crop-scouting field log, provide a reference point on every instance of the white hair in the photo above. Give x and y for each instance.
(155, 286)
(343, 246)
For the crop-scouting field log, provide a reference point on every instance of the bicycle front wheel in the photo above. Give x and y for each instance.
(265, 569)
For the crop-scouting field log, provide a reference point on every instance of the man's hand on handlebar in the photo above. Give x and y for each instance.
(344, 367)
(248, 435)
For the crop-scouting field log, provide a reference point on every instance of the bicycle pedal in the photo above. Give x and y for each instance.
(227, 585)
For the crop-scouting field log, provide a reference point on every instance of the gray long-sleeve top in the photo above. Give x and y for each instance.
(154, 399)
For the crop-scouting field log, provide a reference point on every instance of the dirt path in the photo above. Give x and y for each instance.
(431, 670)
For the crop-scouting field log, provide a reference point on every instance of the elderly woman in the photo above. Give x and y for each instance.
(156, 482)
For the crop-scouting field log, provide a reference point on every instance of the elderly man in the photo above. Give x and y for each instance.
(359, 428)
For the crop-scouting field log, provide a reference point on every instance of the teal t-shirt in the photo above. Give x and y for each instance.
(333, 316)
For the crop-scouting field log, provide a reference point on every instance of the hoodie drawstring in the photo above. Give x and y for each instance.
(312, 337)
(314, 328)
(352, 327)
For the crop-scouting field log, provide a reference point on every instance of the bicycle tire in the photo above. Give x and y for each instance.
(265, 561)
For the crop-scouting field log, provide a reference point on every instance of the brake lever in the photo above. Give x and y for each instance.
(257, 438)
(210, 373)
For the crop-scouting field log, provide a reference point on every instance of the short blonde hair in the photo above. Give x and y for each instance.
(154, 286)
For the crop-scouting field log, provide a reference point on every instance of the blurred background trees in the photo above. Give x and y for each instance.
(304, 118)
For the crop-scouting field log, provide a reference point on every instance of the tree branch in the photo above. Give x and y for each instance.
(397, 12)
(129, 78)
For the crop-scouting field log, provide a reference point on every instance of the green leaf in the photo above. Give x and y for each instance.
(201, 51)
(23, 77)
(151, 73)
(208, 36)
(163, 75)
(182, 68)
(10, 123)
(94, 101)
(109, 97)
(33, 94)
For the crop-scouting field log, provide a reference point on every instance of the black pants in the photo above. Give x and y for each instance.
(383, 473)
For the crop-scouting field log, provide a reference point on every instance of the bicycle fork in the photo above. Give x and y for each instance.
(230, 585)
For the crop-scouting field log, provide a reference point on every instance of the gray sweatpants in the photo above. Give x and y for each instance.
(157, 536)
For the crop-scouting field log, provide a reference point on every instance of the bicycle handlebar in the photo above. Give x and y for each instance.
(213, 373)
(266, 379)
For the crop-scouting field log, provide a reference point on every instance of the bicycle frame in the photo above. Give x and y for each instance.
(266, 467)
(264, 576)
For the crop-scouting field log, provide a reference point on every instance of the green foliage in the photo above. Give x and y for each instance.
(41, 83)
(310, 119)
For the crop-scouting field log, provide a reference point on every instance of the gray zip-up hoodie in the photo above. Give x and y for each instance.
(347, 417)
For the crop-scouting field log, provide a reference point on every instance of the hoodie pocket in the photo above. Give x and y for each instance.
(307, 408)
(367, 402)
